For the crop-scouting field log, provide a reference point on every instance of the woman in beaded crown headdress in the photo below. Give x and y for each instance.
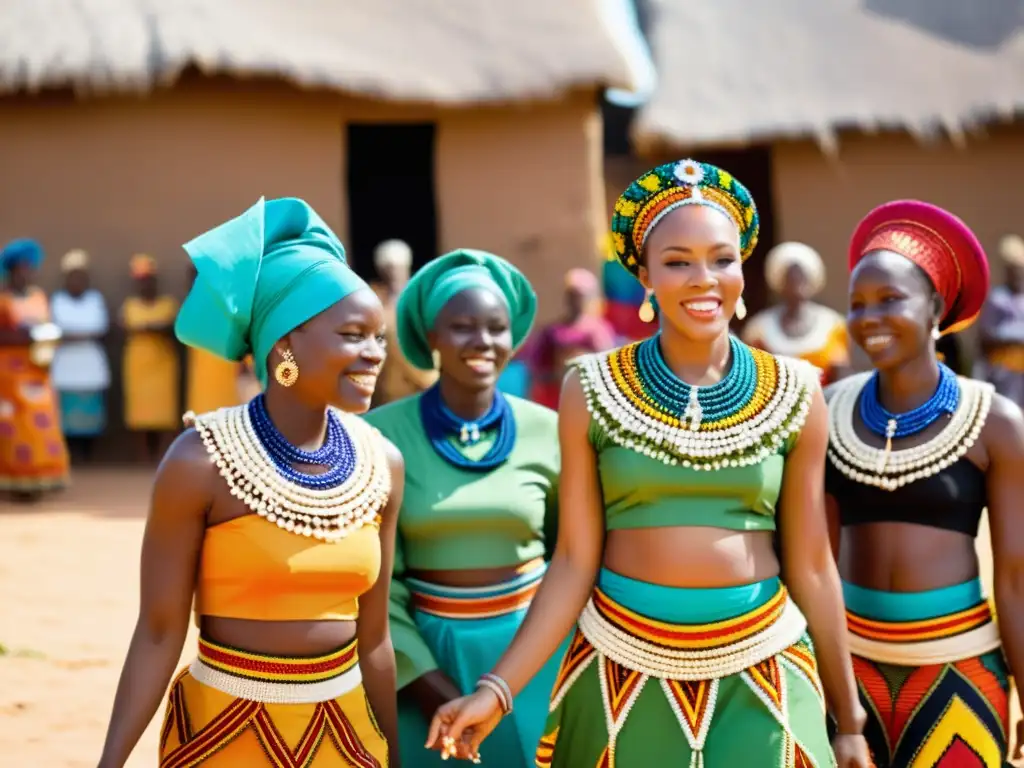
(798, 326)
(475, 535)
(915, 456)
(277, 516)
(679, 454)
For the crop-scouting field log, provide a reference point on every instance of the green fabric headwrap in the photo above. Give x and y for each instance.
(261, 275)
(435, 284)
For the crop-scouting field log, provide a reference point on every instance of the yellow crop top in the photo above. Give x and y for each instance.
(252, 569)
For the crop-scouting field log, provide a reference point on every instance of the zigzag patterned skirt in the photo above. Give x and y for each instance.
(935, 687)
(636, 690)
(231, 708)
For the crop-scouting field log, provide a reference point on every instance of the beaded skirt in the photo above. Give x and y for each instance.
(634, 689)
(231, 708)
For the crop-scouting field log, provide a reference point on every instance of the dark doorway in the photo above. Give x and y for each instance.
(391, 191)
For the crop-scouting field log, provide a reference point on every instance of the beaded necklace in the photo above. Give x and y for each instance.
(337, 453)
(441, 425)
(254, 477)
(891, 469)
(739, 421)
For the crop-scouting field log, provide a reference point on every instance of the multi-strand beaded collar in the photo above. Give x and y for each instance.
(890, 469)
(255, 460)
(741, 420)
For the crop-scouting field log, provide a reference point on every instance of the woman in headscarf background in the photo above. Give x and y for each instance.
(476, 527)
(277, 517)
(212, 382)
(81, 371)
(797, 326)
(915, 456)
(151, 366)
(393, 261)
(33, 457)
(1002, 325)
(581, 330)
(681, 456)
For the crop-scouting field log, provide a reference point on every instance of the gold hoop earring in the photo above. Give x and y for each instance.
(936, 334)
(741, 308)
(435, 355)
(646, 311)
(287, 371)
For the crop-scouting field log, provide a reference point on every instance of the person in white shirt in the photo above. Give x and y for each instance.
(81, 372)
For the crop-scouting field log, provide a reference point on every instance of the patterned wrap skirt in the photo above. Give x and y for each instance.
(705, 678)
(232, 708)
(467, 630)
(931, 676)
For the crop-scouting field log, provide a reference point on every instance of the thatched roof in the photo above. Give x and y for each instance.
(746, 70)
(444, 51)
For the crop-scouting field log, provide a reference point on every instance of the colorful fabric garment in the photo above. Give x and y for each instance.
(81, 366)
(556, 345)
(681, 680)
(467, 631)
(825, 345)
(83, 414)
(33, 456)
(226, 710)
(453, 518)
(212, 382)
(931, 677)
(151, 367)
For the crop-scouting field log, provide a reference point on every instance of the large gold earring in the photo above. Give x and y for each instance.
(741, 308)
(435, 355)
(646, 311)
(287, 371)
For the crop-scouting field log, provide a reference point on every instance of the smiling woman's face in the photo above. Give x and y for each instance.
(893, 308)
(692, 263)
(473, 336)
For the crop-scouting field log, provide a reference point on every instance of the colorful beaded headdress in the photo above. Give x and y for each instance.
(648, 199)
(940, 244)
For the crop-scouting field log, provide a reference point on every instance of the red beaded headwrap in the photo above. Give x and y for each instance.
(940, 244)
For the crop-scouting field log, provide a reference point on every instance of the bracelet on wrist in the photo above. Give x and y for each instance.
(499, 688)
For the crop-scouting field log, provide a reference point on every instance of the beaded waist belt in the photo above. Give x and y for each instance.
(277, 680)
(691, 651)
(479, 602)
(941, 640)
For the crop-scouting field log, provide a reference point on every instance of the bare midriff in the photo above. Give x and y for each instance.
(279, 638)
(468, 577)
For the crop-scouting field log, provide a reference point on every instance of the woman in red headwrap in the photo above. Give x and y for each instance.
(915, 455)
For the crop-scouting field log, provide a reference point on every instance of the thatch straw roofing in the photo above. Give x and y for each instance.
(444, 51)
(734, 71)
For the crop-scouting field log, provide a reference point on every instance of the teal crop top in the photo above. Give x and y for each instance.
(649, 484)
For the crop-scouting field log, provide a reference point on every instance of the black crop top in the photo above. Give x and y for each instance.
(952, 500)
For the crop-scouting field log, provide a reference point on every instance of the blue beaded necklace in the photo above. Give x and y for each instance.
(441, 425)
(337, 453)
(697, 404)
(895, 425)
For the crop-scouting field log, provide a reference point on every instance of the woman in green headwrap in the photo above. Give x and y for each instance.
(277, 518)
(476, 531)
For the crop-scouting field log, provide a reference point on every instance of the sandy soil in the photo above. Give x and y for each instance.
(69, 591)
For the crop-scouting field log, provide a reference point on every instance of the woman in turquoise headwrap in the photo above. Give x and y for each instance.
(276, 517)
(475, 530)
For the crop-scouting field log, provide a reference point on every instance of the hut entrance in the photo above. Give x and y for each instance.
(391, 191)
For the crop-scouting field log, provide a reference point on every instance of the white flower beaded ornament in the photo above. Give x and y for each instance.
(892, 469)
(328, 514)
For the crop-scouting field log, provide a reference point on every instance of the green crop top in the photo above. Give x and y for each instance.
(648, 481)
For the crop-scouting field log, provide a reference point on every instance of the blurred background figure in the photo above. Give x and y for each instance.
(581, 330)
(33, 457)
(1002, 326)
(81, 371)
(797, 326)
(151, 368)
(393, 261)
(212, 382)
(623, 296)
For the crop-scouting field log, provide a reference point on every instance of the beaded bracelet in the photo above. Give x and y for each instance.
(499, 688)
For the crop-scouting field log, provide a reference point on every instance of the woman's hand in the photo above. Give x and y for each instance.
(852, 751)
(459, 727)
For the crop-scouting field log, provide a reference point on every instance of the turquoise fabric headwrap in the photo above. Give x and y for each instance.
(261, 275)
(435, 284)
(21, 251)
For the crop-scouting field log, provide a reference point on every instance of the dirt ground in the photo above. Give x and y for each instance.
(68, 591)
